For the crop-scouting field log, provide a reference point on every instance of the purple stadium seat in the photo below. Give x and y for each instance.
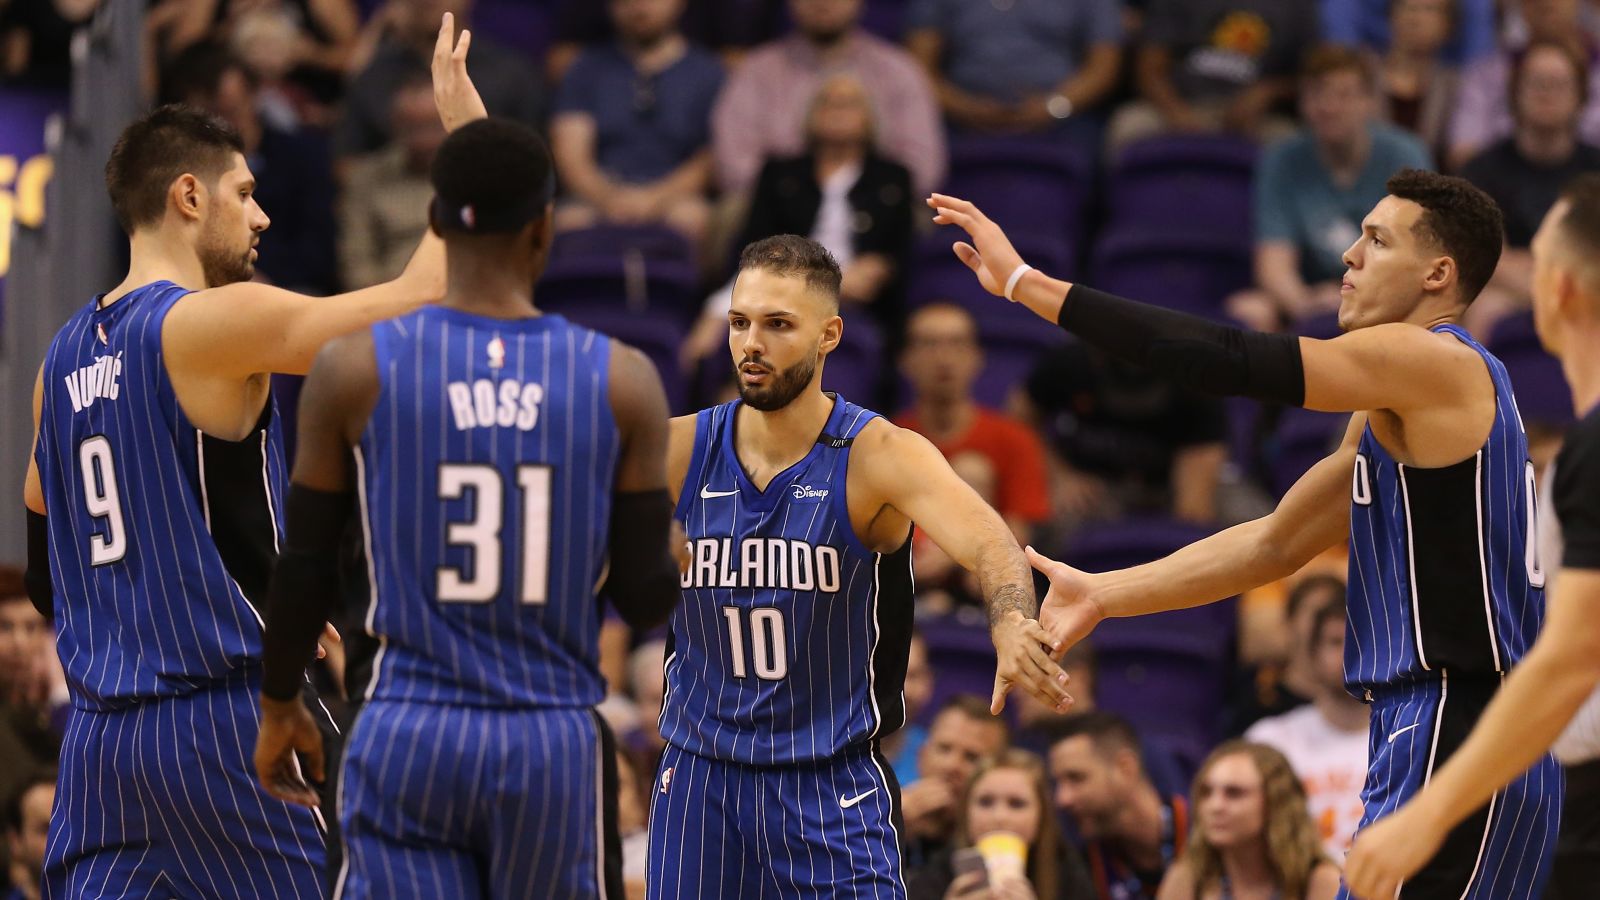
(962, 654)
(1184, 184)
(1543, 395)
(629, 283)
(885, 18)
(855, 368)
(658, 336)
(1303, 437)
(1029, 184)
(1194, 273)
(654, 242)
(516, 24)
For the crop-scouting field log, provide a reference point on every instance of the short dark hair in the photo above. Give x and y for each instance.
(1328, 59)
(973, 707)
(1108, 731)
(12, 585)
(198, 72)
(1309, 587)
(163, 144)
(34, 778)
(1330, 611)
(1458, 219)
(1581, 222)
(491, 176)
(791, 254)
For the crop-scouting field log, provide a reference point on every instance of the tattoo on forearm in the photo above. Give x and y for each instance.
(1011, 597)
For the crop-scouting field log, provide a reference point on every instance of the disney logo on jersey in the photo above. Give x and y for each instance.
(805, 493)
(762, 563)
(97, 380)
(487, 404)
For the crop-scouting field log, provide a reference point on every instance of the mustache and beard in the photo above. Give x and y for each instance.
(222, 263)
(780, 389)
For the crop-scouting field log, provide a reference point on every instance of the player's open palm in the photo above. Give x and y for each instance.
(989, 255)
(1068, 613)
(287, 729)
(453, 91)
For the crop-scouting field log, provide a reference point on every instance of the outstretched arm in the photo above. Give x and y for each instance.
(334, 405)
(248, 328)
(904, 471)
(1313, 516)
(1394, 366)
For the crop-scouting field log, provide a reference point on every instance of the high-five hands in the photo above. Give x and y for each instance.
(990, 254)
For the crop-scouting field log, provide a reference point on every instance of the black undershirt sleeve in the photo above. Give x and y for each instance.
(37, 577)
(305, 587)
(1189, 350)
(1577, 494)
(643, 581)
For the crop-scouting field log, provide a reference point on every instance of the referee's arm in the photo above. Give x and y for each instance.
(1531, 709)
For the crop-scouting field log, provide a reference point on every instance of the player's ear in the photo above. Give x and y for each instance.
(1441, 274)
(189, 195)
(433, 222)
(832, 333)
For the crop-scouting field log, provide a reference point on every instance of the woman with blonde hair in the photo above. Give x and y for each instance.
(1253, 838)
(1009, 796)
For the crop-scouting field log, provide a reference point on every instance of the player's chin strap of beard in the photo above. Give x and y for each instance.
(1191, 351)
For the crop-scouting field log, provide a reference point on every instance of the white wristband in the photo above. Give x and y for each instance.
(1016, 276)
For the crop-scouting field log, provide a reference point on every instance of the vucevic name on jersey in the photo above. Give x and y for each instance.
(791, 641)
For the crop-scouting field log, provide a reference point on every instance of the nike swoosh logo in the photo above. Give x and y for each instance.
(1402, 731)
(845, 803)
(706, 493)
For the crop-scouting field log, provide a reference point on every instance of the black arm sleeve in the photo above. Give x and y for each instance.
(643, 583)
(305, 587)
(1577, 495)
(37, 577)
(1194, 352)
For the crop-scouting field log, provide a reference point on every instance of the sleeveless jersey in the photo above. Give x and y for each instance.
(162, 538)
(790, 644)
(486, 475)
(1444, 563)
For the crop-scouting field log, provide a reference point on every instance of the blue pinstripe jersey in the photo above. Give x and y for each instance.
(791, 641)
(486, 475)
(160, 536)
(1444, 565)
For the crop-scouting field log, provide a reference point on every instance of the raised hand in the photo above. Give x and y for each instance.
(453, 92)
(1068, 612)
(1023, 653)
(990, 254)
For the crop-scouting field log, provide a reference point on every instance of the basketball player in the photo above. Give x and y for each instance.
(786, 658)
(158, 458)
(1563, 666)
(493, 449)
(1431, 485)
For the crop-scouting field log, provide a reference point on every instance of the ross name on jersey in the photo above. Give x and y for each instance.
(97, 380)
(487, 404)
(762, 563)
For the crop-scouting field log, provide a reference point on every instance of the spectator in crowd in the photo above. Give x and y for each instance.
(761, 112)
(631, 131)
(1131, 831)
(1124, 441)
(1313, 189)
(842, 193)
(1326, 740)
(727, 27)
(648, 681)
(1418, 81)
(383, 210)
(633, 823)
(36, 39)
(1009, 795)
(903, 748)
(295, 176)
(403, 36)
(962, 737)
(1372, 24)
(1483, 112)
(1526, 171)
(1252, 836)
(27, 825)
(32, 688)
(1022, 66)
(941, 360)
(1292, 680)
(1216, 65)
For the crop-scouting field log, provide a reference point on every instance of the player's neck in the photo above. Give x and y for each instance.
(774, 437)
(1582, 368)
(157, 255)
(488, 288)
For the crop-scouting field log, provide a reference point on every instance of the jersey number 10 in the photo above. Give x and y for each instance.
(481, 534)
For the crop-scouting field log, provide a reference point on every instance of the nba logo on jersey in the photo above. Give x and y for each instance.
(666, 779)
